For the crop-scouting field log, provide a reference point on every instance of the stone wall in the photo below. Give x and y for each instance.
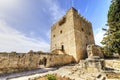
(94, 50)
(113, 64)
(62, 35)
(28, 61)
(83, 35)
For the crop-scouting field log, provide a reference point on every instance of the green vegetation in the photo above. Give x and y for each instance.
(51, 77)
(111, 40)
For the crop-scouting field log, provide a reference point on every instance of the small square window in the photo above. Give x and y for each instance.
(53, 35)
(61, 32)
(89, 33)
(82, 29)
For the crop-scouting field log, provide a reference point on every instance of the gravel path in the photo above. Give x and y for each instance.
(25, 73)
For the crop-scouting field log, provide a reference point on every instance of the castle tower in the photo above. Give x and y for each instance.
(71, 35)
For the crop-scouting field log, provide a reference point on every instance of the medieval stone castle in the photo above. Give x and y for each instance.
(72, 40)
(71, 35)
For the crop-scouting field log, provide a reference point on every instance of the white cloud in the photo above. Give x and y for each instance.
(9, 4)
(48, 34)
(86, 9)
(12, 40)
(99, 33)
(55, 10)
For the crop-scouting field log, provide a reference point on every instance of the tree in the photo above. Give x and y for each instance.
(111, 40)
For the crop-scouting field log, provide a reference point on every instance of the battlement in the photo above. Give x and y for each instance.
(75, 12)
(84, 19)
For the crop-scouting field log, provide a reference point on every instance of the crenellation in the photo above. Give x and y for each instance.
(84, 19)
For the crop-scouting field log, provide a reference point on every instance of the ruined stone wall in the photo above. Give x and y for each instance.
(94, 50)
(58, 60)
(28, 61)
(113, 64)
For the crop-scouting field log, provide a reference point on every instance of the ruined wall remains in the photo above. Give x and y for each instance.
(19, 62)
(94, 50)
(115, 64)
(71, 35)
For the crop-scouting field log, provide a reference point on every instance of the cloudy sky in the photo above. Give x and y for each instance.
(25, 24)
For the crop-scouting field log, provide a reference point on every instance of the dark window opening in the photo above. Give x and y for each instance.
(62, 21)
(45, 61)
(62, 47)
(61, 32)
(89, 33)
(53, 35)
(82, 29)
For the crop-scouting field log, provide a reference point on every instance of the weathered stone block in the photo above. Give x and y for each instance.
(94, 50)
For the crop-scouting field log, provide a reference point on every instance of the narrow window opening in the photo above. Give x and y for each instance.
(44, 61)
(61, 32)
(82, 29)
(53, 35)
(62, 47)
(89, 33)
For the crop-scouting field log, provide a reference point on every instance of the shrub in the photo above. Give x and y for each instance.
(51, 77)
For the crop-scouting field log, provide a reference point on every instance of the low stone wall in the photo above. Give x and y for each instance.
(19, 62)
(113, 64)
(58, 60)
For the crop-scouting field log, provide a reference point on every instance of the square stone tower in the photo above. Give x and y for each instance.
(71, 35)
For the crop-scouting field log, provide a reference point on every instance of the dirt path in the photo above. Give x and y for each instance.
(25, 73)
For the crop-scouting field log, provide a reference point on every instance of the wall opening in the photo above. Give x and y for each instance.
(61, 32)
(62, 21)
(82, 29)
(89, 33)
(43, 61)
(53, 35)
(62, 47)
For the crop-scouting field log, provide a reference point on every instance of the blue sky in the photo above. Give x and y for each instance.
(25, 24)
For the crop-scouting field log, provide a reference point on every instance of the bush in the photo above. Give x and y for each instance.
(51, 77)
